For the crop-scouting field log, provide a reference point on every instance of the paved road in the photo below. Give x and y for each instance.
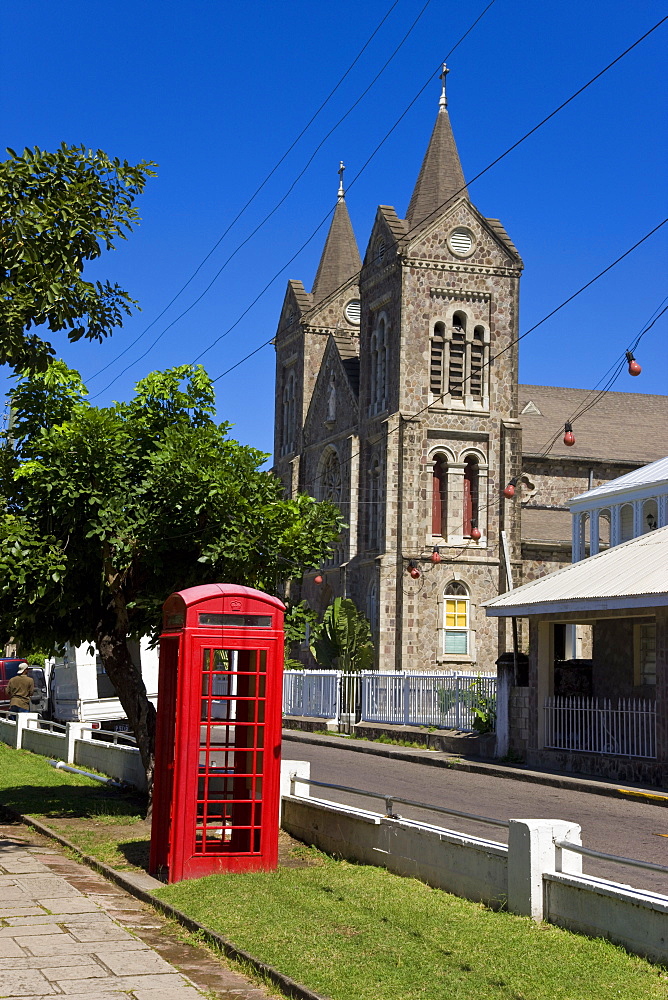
(630, 829)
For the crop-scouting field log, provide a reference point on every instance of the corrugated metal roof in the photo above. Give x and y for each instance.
(630, 572)
(656, 472)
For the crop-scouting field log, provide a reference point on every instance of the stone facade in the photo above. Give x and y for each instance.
(397, 396)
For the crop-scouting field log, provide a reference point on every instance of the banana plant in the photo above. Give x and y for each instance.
(344, 642)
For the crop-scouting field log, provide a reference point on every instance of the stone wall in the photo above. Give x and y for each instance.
(519, 721)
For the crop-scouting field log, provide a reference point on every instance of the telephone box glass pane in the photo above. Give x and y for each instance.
(231, 758)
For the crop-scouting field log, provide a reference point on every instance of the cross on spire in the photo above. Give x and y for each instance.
(341, 191)
(443, 103)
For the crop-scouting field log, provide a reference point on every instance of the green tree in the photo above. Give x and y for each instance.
(57, 211)
(344, 640)
(109, 510)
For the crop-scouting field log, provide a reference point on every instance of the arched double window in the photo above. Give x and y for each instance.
(458, 361)
(289, 422)
(456, 631)
(379, 357)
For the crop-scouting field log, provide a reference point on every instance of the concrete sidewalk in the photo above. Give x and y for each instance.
(65, 930)
(517, 772)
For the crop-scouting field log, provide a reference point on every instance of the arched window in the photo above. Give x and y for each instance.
(437, 355)
(471, 494)
(456, 632)
(650, 515)
(457, 363)
(289, 414)
(373, 506)
(329, 477)
(439, 499)
(372, 607)
(626, 523)
(475, 387)
(378, 382)
(603, 528)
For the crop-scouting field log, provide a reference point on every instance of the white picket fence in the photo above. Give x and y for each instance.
(626, 727)
(445, 700)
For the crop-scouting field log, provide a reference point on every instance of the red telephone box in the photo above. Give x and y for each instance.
(218, 737)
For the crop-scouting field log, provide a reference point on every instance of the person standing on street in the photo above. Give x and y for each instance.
(20, 689)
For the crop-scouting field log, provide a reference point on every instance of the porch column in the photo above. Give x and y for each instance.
(662, 685)
(544, 674)
(578, 537)
(594, 533)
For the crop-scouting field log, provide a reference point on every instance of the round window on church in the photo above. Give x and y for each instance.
(352, 312)
(461, 241)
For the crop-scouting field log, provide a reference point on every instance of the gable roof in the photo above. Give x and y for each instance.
(348, 348)
(612, 430)
(631, 575)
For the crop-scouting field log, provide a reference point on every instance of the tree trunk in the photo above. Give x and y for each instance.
(111, 641)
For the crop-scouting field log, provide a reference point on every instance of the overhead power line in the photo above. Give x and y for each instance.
(467, 183)
(276, 206)
(526, 333)
(255, 193)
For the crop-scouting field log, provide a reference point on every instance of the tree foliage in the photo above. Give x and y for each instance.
(344, 639)
(57, 211)
(109, 510)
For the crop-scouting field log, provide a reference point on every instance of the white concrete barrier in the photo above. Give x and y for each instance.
(531, 876)
(637, 920)
(76, 746)
(467, 866)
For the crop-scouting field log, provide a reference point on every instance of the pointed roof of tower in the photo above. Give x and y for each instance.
(441, 176)
(340, 259)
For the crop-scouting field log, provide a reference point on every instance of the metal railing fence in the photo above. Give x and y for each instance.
(587, 852)
(410, 698)
(626, 727)
(392, 800)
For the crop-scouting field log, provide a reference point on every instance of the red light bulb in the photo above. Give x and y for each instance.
(436, 555)
(569, 436)
(413, 570)
(476, 534)
(509, 491)
(634, 367)
(317, 579)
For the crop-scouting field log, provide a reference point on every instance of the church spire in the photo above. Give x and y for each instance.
(341, 257)
(441, 176)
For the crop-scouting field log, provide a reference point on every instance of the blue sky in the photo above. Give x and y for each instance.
(215, 92)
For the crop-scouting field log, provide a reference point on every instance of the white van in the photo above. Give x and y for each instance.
(80, 690)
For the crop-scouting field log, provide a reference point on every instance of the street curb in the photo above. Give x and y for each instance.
(434, 758)
(289, 986)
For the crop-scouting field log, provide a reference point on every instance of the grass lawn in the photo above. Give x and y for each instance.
(352, 932)
(101, 821)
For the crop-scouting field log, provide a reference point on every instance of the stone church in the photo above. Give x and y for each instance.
(397, 397)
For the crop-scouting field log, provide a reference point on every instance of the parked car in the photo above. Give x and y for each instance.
(9, 667)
